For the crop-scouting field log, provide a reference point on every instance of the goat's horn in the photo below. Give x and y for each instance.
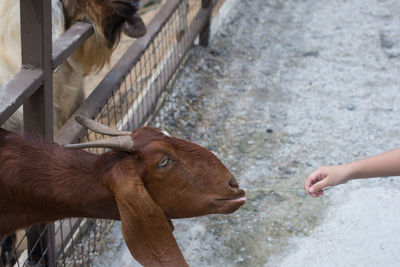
(99, 128)
(122, 143)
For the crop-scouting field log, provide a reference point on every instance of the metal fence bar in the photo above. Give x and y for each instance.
(36, 41)
(204, 35)
(71, 39)
(18, 90)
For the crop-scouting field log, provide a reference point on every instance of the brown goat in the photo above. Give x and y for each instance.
(146, 179)
(108, 17)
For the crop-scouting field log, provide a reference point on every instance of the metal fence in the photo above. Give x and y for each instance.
(124, 99)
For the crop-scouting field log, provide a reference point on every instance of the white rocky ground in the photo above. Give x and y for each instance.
(284, 87)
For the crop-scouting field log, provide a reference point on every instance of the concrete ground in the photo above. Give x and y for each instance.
(287, 86)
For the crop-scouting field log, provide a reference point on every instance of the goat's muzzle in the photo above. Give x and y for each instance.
(133, 25)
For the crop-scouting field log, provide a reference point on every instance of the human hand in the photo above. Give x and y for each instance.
(324, 177)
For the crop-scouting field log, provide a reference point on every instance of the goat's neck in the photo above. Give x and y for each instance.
(65, 184)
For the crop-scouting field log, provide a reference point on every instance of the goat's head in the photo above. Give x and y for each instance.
(109, 15)
(162, 177)
(183, 178)
(109, 18)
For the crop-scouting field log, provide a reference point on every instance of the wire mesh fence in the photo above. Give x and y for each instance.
(125, 106)
(137, 93)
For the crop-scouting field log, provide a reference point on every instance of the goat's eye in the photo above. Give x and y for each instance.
(164, 162)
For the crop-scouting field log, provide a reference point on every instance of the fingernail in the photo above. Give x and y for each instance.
(312, 190)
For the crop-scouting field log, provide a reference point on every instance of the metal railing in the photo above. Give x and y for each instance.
(123, 99)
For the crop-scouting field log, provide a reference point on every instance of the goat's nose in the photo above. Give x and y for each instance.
(233, 184)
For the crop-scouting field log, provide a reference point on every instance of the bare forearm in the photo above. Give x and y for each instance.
(384, 164)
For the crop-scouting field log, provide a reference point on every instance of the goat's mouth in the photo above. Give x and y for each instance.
(228, 205)
(238, 199)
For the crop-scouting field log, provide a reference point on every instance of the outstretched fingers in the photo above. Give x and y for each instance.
(316, 182)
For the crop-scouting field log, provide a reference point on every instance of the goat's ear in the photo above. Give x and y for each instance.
(145, 228)
(134, 26)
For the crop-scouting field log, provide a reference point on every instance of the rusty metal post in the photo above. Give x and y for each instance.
(204, 36)
(36, 49)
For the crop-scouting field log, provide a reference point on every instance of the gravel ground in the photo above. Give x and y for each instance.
(285, 87)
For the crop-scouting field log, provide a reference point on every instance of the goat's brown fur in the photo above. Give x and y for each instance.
(38, 191)
(40, 182)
